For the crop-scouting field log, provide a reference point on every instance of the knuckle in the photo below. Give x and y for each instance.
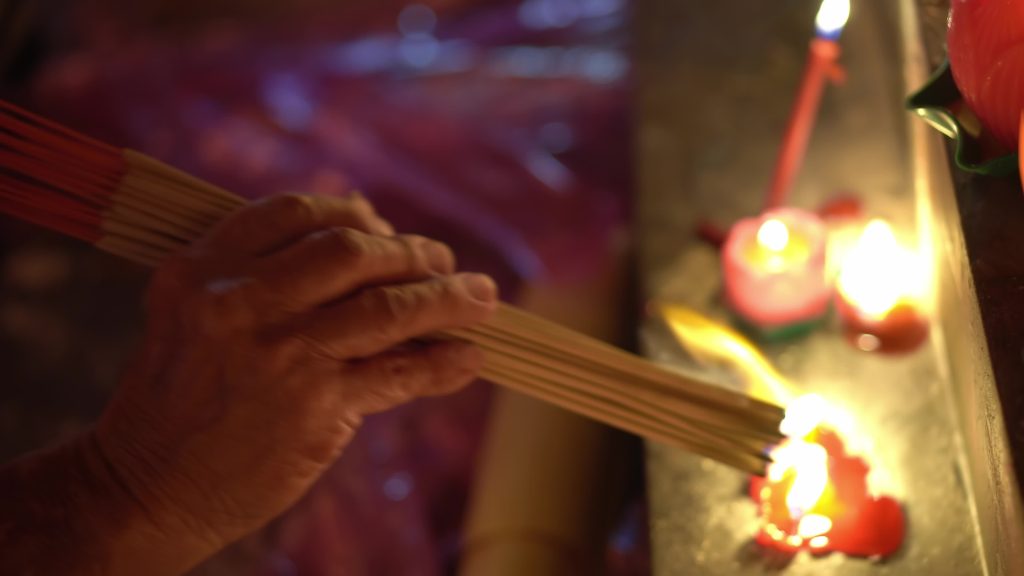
(393, 303)
(412, 248)
(361, 207)
(295, 205)
(452, 292)
(399, 378)
(349, 244)
(391, 307)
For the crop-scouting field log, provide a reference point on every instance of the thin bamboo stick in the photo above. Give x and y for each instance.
(604, 353)
(523, 328)
(146, 209)
(598, 383)
(191, 184)
(581, 390)
(635, 425)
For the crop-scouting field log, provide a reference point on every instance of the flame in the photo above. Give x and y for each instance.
(773, 235)
(803, 415)
(804, 465)
(832, 16)
(878, 273)
(814, 525)
(817, 494)
(714, 343)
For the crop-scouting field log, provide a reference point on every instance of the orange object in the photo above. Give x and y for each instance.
(986, 55)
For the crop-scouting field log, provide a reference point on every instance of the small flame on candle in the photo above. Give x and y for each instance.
(832, 17)
(878, 273)
(806, 462)
(773, 235)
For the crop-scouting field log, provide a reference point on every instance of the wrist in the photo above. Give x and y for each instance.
(67, 512)
(149, 533)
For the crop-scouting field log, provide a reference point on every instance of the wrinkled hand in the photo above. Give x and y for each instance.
(266, 344)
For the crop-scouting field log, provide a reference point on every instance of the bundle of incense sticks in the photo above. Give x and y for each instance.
(141, 209)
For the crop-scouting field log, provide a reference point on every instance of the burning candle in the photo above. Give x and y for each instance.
(774, 269)
(816, 496)
(880, 289)
(821, 66)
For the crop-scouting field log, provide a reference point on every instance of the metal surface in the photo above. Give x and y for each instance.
(715, 83)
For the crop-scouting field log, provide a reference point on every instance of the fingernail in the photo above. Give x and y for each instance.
(439, 257)
(480, 287)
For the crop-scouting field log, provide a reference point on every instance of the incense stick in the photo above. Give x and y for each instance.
(141, 209)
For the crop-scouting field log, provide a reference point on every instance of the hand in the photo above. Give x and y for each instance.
(266, 344)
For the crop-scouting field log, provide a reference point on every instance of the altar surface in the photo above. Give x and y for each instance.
(715, 86)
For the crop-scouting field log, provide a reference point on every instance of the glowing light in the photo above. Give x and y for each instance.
(807, 464)
(832, 17)
(803, 415)
(289, 101)
(878, 273)
(773, 235)
(419, 50)
(813, 525)
(817, 495)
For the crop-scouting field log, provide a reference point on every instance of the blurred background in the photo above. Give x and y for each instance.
(499, 126)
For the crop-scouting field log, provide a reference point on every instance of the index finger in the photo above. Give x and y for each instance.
(268, 225)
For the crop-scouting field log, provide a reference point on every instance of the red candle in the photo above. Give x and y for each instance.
(880, 293)
(774, 268)
(816, 496)
(821, 66)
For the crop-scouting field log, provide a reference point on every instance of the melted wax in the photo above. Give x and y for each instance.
(844, 518)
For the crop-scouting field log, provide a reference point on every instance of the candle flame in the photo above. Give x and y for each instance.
(878, 273)
(803, 463)
(807, 464)
(832, 16)
(773, 235)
